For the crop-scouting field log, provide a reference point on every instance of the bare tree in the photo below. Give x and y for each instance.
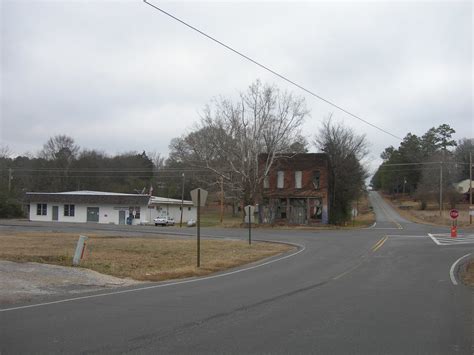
(5, 151)
(232, 135)
(61, 148)
(157, 159)
(345, 150)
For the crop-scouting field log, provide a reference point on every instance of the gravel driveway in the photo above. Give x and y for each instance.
(23, 282)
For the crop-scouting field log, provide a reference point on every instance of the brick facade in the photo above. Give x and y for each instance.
(297, 202)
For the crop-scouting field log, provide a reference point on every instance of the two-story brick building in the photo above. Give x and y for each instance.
(296, 190)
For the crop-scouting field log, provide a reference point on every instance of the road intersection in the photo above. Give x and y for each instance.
(388, 289)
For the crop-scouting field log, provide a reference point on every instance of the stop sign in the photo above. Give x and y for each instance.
(454, 213)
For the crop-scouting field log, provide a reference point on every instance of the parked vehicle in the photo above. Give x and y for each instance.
(164, 221)
(191, 223)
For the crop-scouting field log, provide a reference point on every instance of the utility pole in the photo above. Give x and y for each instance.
(182, 203)
(470, 187)
(222, 198)
(10, 178)
(199, 228)
(440, 188)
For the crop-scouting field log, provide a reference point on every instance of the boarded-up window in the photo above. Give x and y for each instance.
(280, 179)
(298, 179)
(266, 182)
(316, 179)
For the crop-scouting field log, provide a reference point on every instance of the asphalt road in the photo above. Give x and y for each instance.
(383, 290)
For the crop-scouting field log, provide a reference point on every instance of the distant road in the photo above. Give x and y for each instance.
(382, 290)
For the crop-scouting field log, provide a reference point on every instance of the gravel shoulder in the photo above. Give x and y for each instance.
(23, 282)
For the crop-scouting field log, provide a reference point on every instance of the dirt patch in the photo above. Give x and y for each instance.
(467, 275)
(22, 282)
(144, 259)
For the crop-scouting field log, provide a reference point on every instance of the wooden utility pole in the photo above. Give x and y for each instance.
(182, 203)
(10, 178)
(222, 199)
(470, 187)
(440, 188)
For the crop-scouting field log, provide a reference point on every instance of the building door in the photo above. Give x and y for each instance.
(55, 213)
(92, 214)
(121, 217)
(298, 211)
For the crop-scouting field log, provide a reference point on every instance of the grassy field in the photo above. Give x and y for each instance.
(144, 259)
(210, 217)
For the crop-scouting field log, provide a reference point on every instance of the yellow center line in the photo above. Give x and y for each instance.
(399, 226)
(376, 244)
(346, 272)
(374, 249)
(382, 242)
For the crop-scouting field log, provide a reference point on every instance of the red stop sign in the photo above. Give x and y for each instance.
(454, 213)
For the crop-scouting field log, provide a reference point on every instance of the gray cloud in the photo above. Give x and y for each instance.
(119, 76)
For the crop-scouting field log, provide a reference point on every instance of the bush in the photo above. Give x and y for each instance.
(10, 209)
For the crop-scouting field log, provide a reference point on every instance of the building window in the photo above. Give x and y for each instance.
(316, 179)
(41, 209)
(69, 210)
(189, 208)
(280, 179)
(298, 179)
(134, 212)
(266, 182)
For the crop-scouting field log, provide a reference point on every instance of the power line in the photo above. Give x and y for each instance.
(425, 163)
(271, 70)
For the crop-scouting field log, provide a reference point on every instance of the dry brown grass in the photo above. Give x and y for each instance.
(138, 258)
(468, 275)
(410, 209)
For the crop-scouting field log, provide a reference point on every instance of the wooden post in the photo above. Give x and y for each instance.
(222, 199)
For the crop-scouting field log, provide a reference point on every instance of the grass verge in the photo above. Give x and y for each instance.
(468, 275)
(143, 259)
(410, 210)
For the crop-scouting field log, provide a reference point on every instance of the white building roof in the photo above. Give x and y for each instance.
(463, 186)
(155, 200)
(86, 193)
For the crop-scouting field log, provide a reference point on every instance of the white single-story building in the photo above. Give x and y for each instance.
(104, 207)
(162, 206)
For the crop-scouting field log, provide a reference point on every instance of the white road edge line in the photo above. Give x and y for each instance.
(434, 239)
(453, 267)
(372, 226)
(302, 248)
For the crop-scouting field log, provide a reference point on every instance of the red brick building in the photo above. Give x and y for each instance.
(296, 190)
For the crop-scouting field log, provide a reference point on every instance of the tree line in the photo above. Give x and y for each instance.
(221, 153)
(421, 166)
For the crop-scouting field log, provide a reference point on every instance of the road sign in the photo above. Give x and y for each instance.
(194, 197)
(249, 214)
(454, 213)
(354, 212)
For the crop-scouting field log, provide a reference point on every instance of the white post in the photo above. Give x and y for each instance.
(81, 244)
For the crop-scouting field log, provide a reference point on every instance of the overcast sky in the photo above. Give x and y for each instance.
(119, 76)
